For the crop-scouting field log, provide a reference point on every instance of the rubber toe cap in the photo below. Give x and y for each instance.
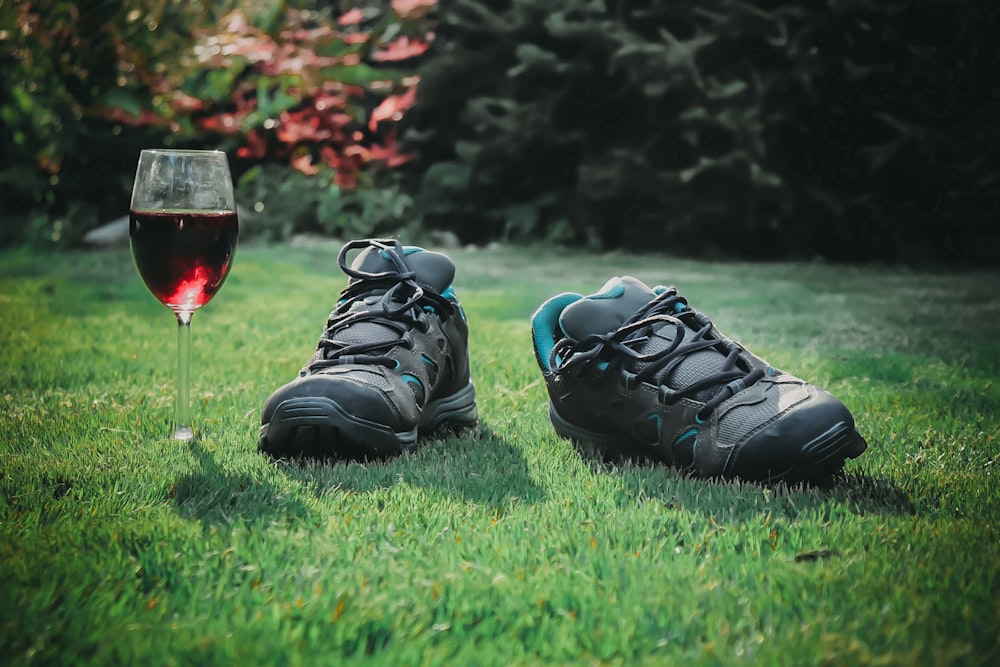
(359, 399)
(810, 441)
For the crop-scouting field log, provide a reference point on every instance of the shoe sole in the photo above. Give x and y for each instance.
(821, 457)
(318, 427)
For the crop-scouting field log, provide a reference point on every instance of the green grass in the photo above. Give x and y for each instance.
(503, 545)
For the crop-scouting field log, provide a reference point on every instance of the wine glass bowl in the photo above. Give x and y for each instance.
(183, 256)
(183, 228)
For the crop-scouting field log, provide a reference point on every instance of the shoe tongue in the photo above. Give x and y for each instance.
(604, 312)
(432, 270)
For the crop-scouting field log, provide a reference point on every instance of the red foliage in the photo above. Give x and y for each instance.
(305, 164)
(323, 122)
(389, 153)
(412, 9)
(392, 108)
(255, 145)
(119, 115)
(353, 17)
(401, 49)
(301, 94)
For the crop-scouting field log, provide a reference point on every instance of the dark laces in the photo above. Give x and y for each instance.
(375, 311)
(629, 348)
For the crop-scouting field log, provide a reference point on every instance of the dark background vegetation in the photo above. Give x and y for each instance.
(843, 129)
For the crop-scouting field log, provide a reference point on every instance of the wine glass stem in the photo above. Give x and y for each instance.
(182, 421)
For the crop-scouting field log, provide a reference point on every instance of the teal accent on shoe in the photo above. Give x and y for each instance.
(678, 307)
(450, 295)
(688, 435)
(407, 250)
(544, 322)
(427, 360)
(692, 433)
(603, 366)
(412, 379)
(659, 424)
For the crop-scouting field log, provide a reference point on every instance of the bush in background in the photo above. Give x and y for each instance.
(316, 88)
(321, 92)
(64, 168)
(849, 128)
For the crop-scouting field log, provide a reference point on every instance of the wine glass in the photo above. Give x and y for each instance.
(183, 228)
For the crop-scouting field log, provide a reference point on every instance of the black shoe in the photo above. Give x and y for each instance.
(392, 363)
(635, 370)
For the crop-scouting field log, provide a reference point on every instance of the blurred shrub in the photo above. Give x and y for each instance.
(845, 128)
(315, 87)
(319, 91)
(62, 166)
(289, 202)
(850, 129)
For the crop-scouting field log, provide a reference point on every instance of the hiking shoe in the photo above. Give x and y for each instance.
(634, 370)
(392, 363)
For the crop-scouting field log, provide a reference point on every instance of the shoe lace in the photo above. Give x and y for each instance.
(391, 298)
(692, 334)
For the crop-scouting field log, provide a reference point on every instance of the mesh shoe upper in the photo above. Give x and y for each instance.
(392, 359)
(635, 367)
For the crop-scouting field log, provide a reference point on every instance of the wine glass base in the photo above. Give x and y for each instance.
(183, 433)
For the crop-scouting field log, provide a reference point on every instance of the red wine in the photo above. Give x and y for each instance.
(183, 256)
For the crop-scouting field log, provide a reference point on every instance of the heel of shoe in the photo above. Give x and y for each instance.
(608, 447)
(458, 409)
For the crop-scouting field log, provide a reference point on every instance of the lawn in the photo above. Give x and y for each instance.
(502, 545)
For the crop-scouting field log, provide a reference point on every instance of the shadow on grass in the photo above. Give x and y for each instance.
(867, 494)
(735, 500)
(475, 465)
(217, 496)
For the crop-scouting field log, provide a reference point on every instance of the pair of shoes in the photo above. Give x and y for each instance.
(631, 370)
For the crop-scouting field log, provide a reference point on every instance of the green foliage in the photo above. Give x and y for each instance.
(847, 128)
(890, 148)
(299, 86)
(288, 202)
(66, 163)
(300, 83)
(500, 546)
